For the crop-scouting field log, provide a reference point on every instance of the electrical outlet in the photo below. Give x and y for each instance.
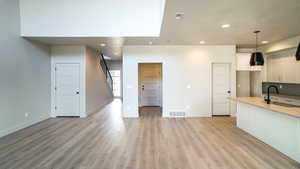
(27, 115)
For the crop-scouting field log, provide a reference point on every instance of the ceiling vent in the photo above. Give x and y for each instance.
(179, 15)
(177, 114)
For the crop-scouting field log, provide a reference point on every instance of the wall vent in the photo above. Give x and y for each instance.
(178, 114)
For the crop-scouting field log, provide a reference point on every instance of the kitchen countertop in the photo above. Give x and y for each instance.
(259, 102)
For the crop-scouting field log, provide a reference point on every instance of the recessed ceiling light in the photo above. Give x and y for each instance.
(202, 42)
(265, 42)
(179, 15)
(102, 44)
(150, 42)
(226, 25)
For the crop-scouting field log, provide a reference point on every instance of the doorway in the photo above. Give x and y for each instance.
(67, 89)
(116, 76)
(221, 89)
(150, 89)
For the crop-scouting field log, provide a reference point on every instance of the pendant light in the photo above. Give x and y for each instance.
(257, 58)
(298, 53)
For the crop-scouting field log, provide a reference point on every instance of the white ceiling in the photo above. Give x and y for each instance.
(277, 19)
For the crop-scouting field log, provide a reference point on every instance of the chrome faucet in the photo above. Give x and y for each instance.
(268, 100)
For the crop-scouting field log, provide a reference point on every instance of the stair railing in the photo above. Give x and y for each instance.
(105, 69)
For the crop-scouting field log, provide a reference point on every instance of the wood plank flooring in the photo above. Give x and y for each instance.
(106, 141)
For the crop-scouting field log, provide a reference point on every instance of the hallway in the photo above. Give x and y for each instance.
(105, 140)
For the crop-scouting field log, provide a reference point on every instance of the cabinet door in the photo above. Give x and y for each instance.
(243, 61)
(276, 69)
(244, 116)
(282, 67)
(270, 76)
(290, 67)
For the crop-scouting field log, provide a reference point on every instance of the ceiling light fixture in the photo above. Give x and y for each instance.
(102, 44)
(257, 58)
(202, 42)
(265, 42)
(226, 25)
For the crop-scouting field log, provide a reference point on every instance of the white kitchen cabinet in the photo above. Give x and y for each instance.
(243, 60)
(243, 63)
(256, 68)
(278, 130)
(282, 67)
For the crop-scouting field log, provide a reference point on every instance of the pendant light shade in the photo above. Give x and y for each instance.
(298, 53)
(257, 58)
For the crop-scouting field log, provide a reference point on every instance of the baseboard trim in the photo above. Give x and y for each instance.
(130, 117)
(83, 115)
(22, 126)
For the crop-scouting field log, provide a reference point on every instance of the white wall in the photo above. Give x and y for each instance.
(182, 66)
(69, 54)
(24, 73)
(94, 91)
(98, 93)
(91, 18)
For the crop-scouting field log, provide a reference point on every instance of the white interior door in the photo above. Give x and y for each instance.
(221, 89)
(150, 84)
(67, 96)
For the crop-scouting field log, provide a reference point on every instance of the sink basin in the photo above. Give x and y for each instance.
(285, 105)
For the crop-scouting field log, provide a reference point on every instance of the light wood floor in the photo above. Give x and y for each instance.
(106, 141)
(148, 112)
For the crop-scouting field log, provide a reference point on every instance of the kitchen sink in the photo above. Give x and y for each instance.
(285, 105)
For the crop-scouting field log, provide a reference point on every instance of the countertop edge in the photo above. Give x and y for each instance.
(275, 108)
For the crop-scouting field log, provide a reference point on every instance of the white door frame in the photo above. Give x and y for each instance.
(211, 84)
(161, 81)
(81, 87)
(56, 85)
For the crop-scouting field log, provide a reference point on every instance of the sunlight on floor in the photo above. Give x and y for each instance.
(116, 114)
